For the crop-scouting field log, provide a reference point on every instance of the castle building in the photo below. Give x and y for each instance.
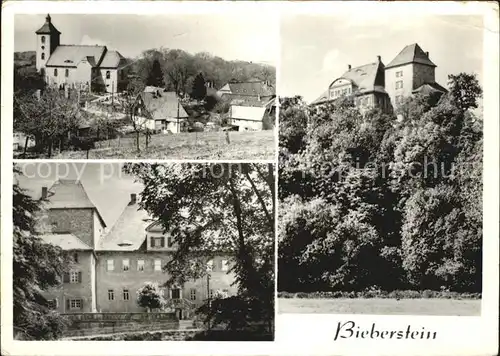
(375, 85)
(93, 67)
(109, 266)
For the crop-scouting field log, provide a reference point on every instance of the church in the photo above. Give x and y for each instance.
(93, 68)
(376, 85)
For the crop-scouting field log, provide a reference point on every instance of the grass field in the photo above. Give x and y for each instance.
(201, 145)
(381, 306)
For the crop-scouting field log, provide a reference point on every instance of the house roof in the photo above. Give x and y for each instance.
(428, 88)
(247, 112)
(411, 54)
(163, 106)
(70, 194)
(320, 99)
(47, 28)
(113, 59)
(66, 241)
(365, 77)
(129, 231)
(71, 55)
(251, 87)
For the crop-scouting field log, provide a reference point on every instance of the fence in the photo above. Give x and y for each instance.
(83, 324)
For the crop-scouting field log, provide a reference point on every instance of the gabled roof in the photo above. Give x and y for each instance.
(247, 112)
(163, 105)
(252, 87)
(47, 28)
(428, 88)
(66, 242)
(70, 194)
(366, 78)
(71, 55)
(411, 54)
(113, 59)
(129, 231)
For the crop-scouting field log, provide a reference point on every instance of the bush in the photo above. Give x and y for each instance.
(376, 293)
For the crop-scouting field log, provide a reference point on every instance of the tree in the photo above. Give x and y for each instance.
(150, 297)
(199, 90)
(130, 102)
(465, 90)
(37, 266)
(155, 76)
(216, 208)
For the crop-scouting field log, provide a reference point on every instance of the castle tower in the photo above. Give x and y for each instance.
(408, 71)
(47, 39)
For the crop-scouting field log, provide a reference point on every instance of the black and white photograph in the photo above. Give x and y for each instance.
(381, 161)
(136, 251)
(159, 86)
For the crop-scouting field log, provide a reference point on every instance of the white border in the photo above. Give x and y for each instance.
(295, 334)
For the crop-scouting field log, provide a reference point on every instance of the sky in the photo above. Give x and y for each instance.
(250, 38)
(315, 50)
(105, 183)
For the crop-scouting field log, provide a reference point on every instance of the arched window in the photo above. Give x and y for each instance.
(43, 39)
(108, 74)
(43, 55)
(55, 72)
(67, 73)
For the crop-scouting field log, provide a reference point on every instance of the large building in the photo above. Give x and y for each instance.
(110, 264)
(376, 85)
(90, 67)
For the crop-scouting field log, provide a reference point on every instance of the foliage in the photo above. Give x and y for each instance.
(368, 200)
(149, 296)
(198, 90)
(37, 266)
(155, 77)
(211, 209)
(378, 293)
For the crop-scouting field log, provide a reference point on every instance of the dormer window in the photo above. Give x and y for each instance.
(43, 39)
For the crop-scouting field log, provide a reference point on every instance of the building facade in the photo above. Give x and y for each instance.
(109, 266)
(379, 86)
(93, 68)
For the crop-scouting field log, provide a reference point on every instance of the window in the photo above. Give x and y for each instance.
(224, 265)
(126, 264)
(74, 277)
(126, 295)
(211, 294)
(75, 303)
(399, 74)
(140, 265)
(43, 39)
(210, 265)
(111, 294)
(66, 73)
(158, 241)
(399, 84)
(55, 72)
(192, 294)
(52, 303)
(157, 265)
(75, 257)
(110, 265)
(176, 293)
(170, 241)
(43, 55)
(108, 74)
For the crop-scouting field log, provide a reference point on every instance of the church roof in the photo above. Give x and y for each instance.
(71, 55)
(411, 54)
(47, 28)
(112, 59)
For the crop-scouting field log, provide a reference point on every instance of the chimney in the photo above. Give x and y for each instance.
(133, 199)
(44, 193)
(379, 58)
(348, 67)
(427, 54)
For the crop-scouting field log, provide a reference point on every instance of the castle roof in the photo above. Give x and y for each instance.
(411, 54)
(71, 55)
(66, 242)
(70, 194)
(129, 231)
(367, 77)
(47, 28)
(428, 88)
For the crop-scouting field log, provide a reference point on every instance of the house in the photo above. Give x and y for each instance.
(254, 92)
(253, 118)
(92, 67)
(377, 86)
(161, 110)
(110, 265)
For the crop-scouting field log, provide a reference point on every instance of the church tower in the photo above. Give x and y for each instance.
(47, 40)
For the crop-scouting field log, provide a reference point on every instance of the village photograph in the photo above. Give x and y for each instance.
(144, 86)
(136, 251)
(380, 165)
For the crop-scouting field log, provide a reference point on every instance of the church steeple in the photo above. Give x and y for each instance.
(47, 41)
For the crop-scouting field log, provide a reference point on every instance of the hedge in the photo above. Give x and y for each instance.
(371, 293)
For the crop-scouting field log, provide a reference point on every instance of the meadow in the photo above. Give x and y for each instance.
(256, 145)
(381, 306)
